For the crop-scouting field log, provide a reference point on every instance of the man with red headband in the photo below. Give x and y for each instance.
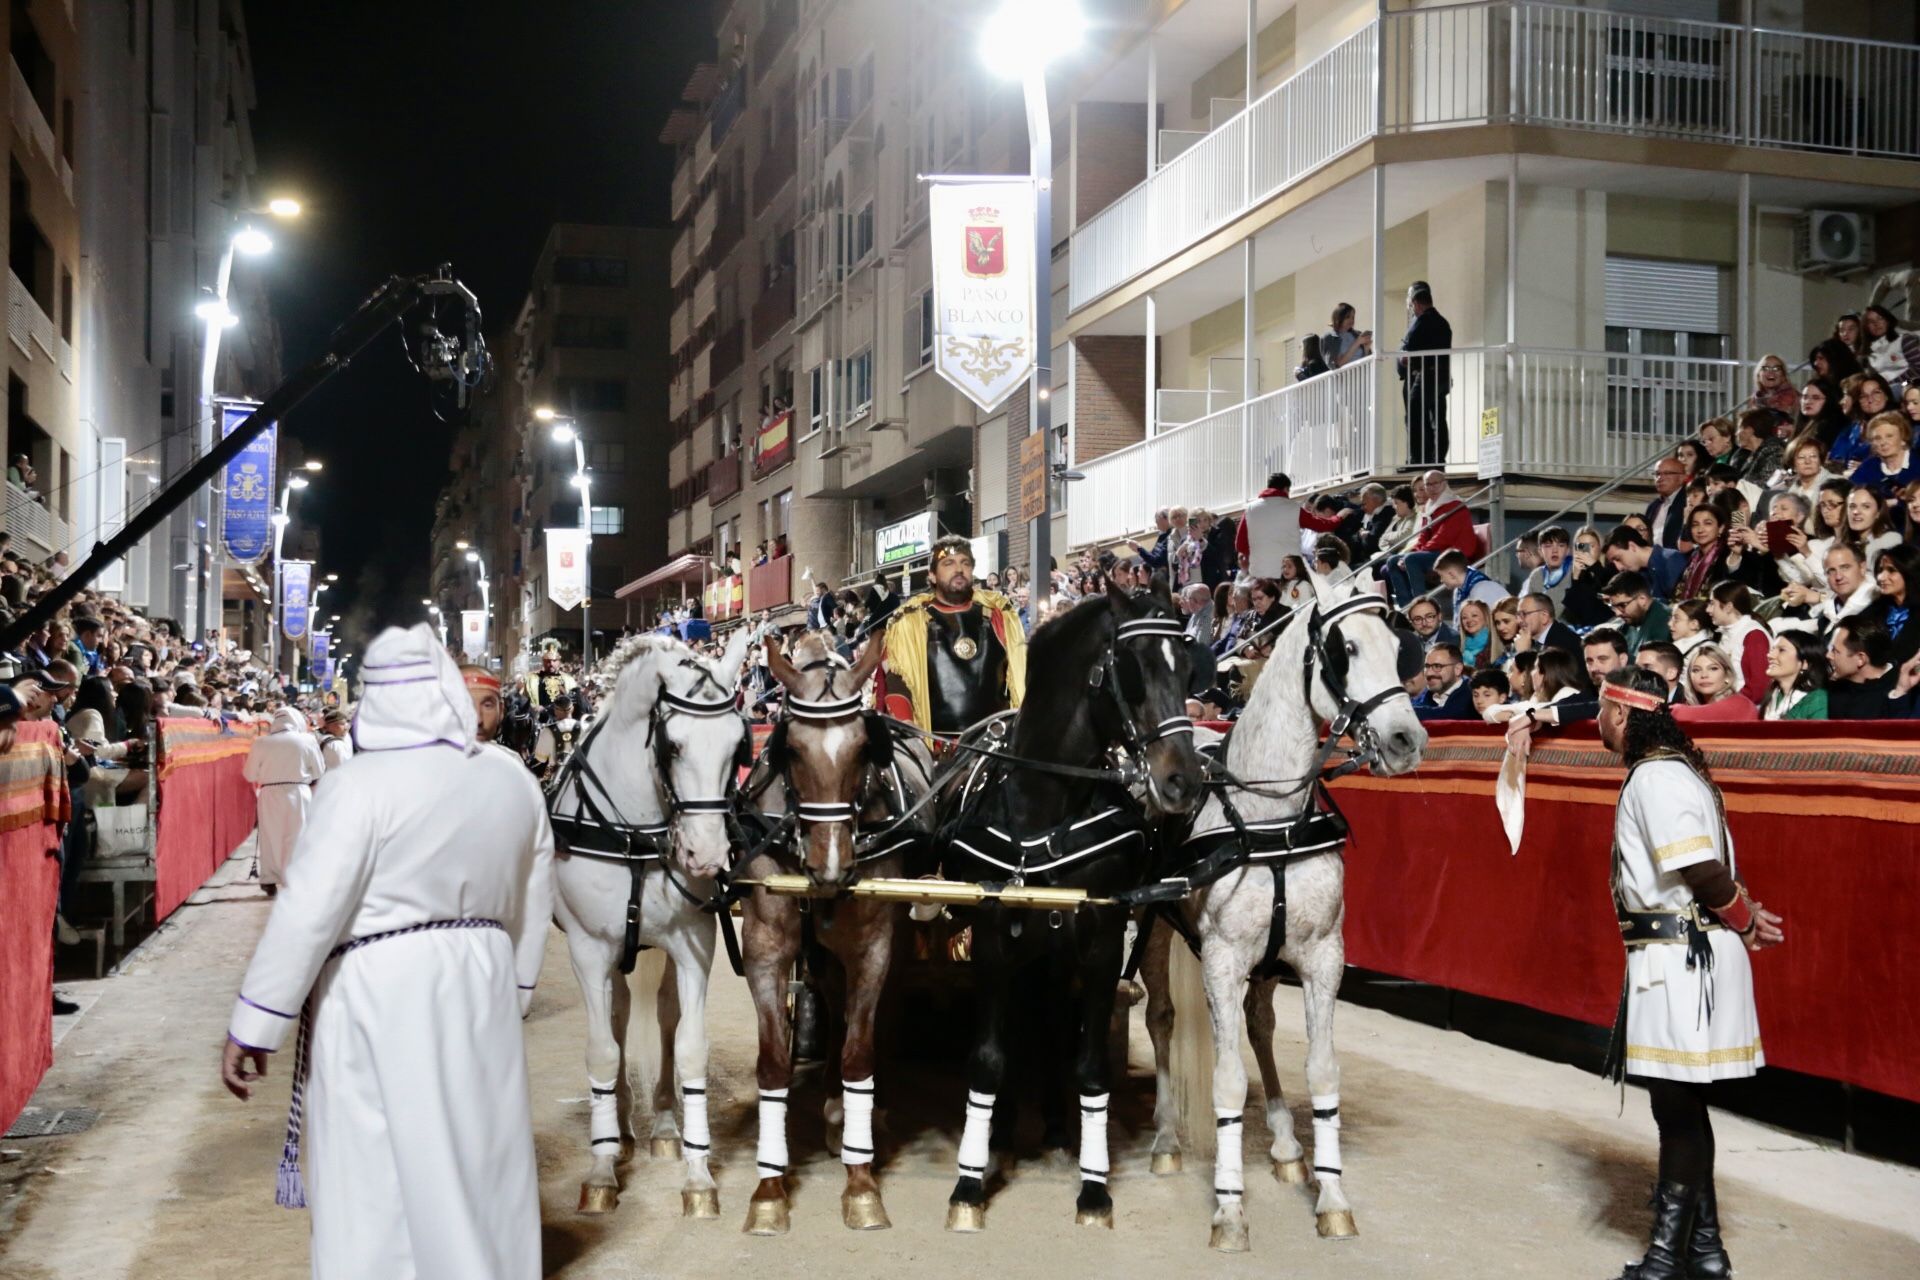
(957, 653)
(1687, 1015)
(484, 687)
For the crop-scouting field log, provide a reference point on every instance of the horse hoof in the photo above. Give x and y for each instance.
(598, 1199)
(1101, 1217)
(1165, 1162)
(1293, 1172)
(704, 1203)
(862, 1211)
(664, 1148)
(966, 1217)
(1228, 1237)
(767, 1218)
(1336, 1224)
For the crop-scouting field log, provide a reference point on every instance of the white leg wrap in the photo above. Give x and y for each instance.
(696, 1141)
(973, 1138)
(856, 1129)
(603, 1112)
(1093, 1137)
(1326, 1134)
(772, 1153)
(1229, 1131)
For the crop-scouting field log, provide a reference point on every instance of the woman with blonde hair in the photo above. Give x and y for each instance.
(1709, 688)
(1480, 645)
(1773, 387)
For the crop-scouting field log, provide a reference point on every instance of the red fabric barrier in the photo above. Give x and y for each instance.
(1826, 826)
(206, 807)
(33, 803)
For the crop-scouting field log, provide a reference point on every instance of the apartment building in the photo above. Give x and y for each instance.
(131, 164)
(1619, 212)
(587, 350)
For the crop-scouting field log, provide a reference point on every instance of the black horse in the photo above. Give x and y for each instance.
(1108, 678)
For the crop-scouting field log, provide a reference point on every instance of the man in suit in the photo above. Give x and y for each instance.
(1667, 512)
(1448, 695)
(1628, 551)
(823, 608)
(1542, 631)
(1425, 380)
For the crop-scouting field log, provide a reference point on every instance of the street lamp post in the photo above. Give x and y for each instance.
(564, 432)
(1018, 41)
(486, 602)
(276, 614)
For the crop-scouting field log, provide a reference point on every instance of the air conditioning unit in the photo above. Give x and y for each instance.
(1833, 242)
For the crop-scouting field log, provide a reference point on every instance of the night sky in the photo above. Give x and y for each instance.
(425, 132)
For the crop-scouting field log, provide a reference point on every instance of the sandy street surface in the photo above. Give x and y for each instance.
(1462, 1160)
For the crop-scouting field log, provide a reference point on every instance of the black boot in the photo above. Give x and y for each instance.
(1706, 1254)
(1672, 1215)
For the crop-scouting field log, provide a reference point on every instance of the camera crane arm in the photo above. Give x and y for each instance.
(456, 357)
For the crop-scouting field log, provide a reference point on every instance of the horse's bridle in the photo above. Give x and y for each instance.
(1323, 626)
(824, 711)
(1104, 677)
(670, 703)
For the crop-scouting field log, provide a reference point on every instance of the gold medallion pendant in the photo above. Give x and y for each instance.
(964, 648)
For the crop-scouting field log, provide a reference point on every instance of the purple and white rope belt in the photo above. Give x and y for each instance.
(289, 1191)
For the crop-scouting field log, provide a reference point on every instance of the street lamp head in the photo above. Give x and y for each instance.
(545, 413)
(313, 464)
(581, 481)
(298, 482)
(562, 433)
(216, 313)
(252, 241)
(284, 207)
(1024, 35)
(461, 544)
(473, 557)
(333, 577)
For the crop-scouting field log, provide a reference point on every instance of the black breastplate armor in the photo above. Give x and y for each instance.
(966, 669)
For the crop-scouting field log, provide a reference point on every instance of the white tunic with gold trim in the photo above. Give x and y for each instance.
(1668, 819)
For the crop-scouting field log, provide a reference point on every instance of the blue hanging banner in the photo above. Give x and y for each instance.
(322, 656)
(296, 577)
(246, 488)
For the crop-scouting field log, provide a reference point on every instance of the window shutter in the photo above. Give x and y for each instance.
(1644, 293)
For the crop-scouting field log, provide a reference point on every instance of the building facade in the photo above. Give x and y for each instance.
(131, 165)
(586, 351)
(1618, 212)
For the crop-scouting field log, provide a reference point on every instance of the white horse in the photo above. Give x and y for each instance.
(657, 766)
(1350, 659)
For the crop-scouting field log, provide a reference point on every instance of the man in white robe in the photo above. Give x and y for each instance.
(406, 945)
(336, 748)
(282, 764)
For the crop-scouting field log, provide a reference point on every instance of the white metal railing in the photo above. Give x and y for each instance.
(27, 325)
(28, 119)
(29, 521)
(1176, 406)
(1511, 61)
(1557, 413)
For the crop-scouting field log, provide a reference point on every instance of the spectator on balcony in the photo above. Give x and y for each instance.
(1555, 573)
(1754, 435)
(1445, 524)
(1849, 592)
(1711, 689)
(1896, 580)
(1585, 607)
(1197, 603)
(1189, 558)
(1424, 616)
(823, 608)
(1464, 582)
(1892, 354)
(1834, 361)
(1402, 526)
(1664, 659)
(1447, 695)
(18, 470)
(1666, 512)
(1557, 677)
(1869, 397)
(1910, 405)
(1539, 630)
(1490, 688)
(1296, 588)
(1796, 678)
(1643, 620)
(1693, 456)
(1520, 670)
(1865, 684)
(1343, 344)
(1716, 437)
(1156, 555)
(1868, 524)
(1376, 515)
(1804, 469)
(1240, 622)
(1603, 652)
(1270, 530)
(1892, 466)
(1480, 645)
(1217, 558)
(1820, 414)
(1426, 380)
(1773, 387)
(1850, 333)
(1741, 636)
(1312, 364)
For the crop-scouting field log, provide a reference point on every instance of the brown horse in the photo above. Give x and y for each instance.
(829, 770)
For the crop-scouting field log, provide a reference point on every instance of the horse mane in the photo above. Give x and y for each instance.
(631, 648)
(1057, 657)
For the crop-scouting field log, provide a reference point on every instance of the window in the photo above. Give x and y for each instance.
(783, 514)
(603, 333)
(860, 234)
(920, 328)
(1666, 325)
(816, 398)
(590, 395)
(608, 456)
(856, 383)
(609, 520)
(605, 272)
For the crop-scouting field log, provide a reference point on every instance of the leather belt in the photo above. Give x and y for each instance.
(1653, 928)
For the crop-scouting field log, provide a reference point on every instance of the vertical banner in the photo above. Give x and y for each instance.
(246, 489)
(296, 581)
(566, 567)
(473, 633)
(321, 657)
(983, 280)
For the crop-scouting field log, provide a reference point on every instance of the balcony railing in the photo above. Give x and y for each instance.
(727, 107)
(1519, 62)
(723, 477)
(29, 521)
(728, 350)
(28, 120)
(27, 325)
(729, 226)
(770, 584)
(1563, 414)
(775, 169)
(773, 308)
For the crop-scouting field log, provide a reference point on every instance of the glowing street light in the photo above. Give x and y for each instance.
(1020, 39)
(562, 433)
(313, 464)
(252, 241)
(216, 313)
(545, 413)
(284, 207)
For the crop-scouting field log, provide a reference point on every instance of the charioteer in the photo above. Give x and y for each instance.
(956, 653)
(558, 738)
(549, 684)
